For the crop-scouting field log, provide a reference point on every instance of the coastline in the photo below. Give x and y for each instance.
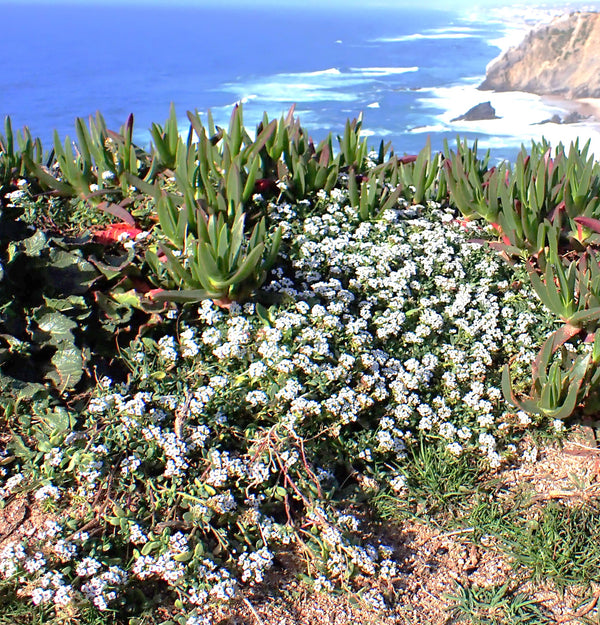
(589, 106)
(410, 75)
(520, 115)
(528, 105)
(586, 107)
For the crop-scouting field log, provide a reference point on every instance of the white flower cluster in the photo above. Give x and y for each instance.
(11, 484)
(168, 349)
(163, 567)
(99, 584)
(253, 565)
(102, 589)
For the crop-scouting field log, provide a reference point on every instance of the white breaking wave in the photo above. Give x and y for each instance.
(284, 91)
(332, 71)
(453, 29)
(323, 85)
(420, 36)
(429, 129)
(372, 132)
(382, 71)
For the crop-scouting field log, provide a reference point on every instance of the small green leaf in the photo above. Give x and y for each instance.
(264, 315)
(184, 557)
(149, 547)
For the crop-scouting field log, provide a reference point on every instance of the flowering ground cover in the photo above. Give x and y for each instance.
(225, 444)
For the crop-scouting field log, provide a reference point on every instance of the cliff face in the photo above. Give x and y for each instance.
(561, 58)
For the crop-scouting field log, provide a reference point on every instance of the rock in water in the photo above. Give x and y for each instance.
(560, 58)
(484, 110)
(572, 118)
(555, 119)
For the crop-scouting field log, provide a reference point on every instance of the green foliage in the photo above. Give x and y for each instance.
(540, 189)
(240, 434)
(63, 302)
(240, 431)
(10, 158)
(466, 179)
(98, 168)
(167, 142)
(437, 483)
(373, 197)
(42, 297)
(424, 176)
(561, 543)
(353, 149)
(496, 605)
(556, 388)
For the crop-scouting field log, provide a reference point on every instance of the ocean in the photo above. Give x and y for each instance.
(409, 71)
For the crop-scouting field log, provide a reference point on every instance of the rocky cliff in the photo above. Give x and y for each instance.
(560, 58)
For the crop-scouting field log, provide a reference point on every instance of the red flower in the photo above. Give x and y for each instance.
(116, 233)
(152, 292)
(409, 158)
(264, 184)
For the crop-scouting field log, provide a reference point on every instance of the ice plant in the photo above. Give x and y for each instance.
(220, 261)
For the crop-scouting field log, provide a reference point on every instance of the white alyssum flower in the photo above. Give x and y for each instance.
(257, 398)
(47, 492)
(88, 567)
(168, 349)
(187, 342)
(558, 425)
(255, 564)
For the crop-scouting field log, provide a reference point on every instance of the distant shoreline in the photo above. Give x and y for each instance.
(584, 106)
(589, 106)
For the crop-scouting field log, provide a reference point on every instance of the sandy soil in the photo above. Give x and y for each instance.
(434, 561)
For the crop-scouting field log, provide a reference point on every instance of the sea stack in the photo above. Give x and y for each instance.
(561, 58)
(481, 111)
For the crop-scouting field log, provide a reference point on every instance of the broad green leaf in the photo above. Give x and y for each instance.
(68, 364)
(185, 296)
(58, 326)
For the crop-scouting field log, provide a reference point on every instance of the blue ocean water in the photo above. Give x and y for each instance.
(408, 70)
